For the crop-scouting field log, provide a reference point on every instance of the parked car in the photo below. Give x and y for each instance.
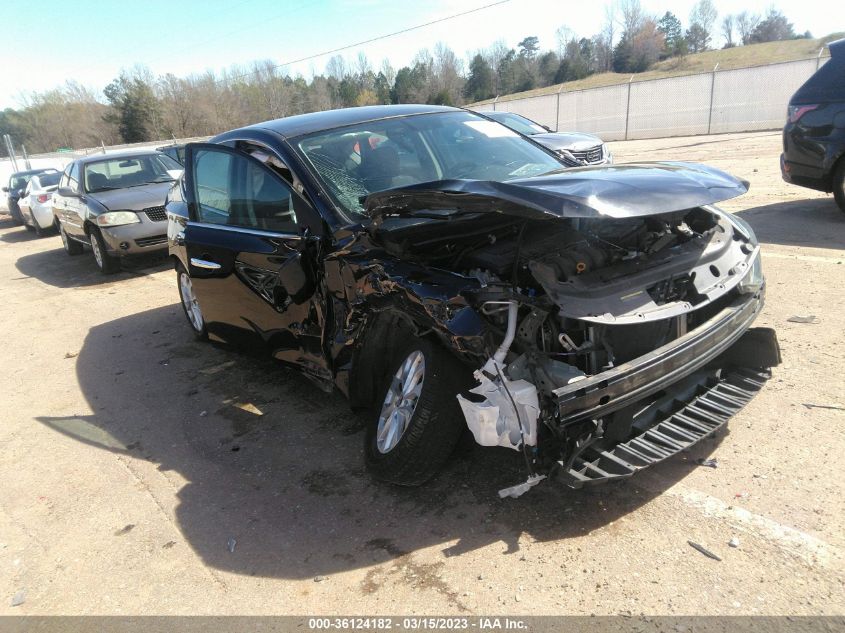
(36, 202)
(115, 204)
(575, 148)
(176, 152)
(16, 186)
(446, 273)
(814, 134)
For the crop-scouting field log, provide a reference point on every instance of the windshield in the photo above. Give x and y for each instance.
(357, 160)
(517, 123)
(48, 180)
(131, 171)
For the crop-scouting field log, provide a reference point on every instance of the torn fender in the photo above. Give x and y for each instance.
(618, 191)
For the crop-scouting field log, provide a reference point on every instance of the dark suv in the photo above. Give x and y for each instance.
(814, 135)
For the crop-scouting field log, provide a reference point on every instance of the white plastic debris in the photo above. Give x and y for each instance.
(508, 414)
(231, 544)
(495, 422)
(734, 542)
(520, 489)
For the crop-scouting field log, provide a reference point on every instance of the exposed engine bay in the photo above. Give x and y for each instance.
(573, 304)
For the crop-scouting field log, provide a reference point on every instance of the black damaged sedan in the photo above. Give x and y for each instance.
(448, 274)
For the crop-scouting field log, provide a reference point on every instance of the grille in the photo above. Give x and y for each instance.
(151, 241)
(156, 214)
(588, 156)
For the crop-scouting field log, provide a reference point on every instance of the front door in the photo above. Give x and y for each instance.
(73, 207)
(252, 244)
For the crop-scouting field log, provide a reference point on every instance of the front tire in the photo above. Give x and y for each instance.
(417, 423)
(107, 264)
(839, 185)
(190, 305)
(72, 247)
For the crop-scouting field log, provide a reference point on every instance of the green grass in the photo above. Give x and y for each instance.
(737, 57)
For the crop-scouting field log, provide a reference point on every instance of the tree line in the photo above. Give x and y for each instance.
(139, 106)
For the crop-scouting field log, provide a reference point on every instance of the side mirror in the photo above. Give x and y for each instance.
(6, 189)
(547, 128)
(67, 192)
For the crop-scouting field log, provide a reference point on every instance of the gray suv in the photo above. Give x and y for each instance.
(114, 203)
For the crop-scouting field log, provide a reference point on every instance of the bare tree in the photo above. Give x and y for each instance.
(563, 35)
(728, 30)
(745, 24)
(632, 16)
(703, 15)
(336, 68)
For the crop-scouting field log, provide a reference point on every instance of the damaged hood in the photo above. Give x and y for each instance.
(135, 198)
(575, 141)
(618, 191)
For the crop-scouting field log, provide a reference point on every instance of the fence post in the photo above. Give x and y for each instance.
(494, 102)
(628, 107)
(712, 90)
(819, 57)
(557, 110)
(25, 157)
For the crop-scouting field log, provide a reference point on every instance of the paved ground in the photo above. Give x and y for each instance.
(134, 483)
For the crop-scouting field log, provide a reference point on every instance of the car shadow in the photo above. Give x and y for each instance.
(22, 234)
(56, 268)
(274, 466)
(815, 222)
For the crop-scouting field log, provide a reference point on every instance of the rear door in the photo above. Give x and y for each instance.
(252, 244)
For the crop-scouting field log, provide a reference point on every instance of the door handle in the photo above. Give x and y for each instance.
(202, 263)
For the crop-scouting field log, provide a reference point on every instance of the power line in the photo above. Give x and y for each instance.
(369, 41)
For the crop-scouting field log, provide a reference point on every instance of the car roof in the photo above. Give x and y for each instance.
(94, 158)
(300, 124)
(30, 172)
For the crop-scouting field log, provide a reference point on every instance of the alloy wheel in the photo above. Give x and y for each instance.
(95, 246)
(189, 302)
(401, 400)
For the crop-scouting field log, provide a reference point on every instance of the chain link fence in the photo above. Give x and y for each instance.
(740, 100)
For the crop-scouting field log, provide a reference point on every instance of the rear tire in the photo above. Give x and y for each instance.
(72, 247)
(839, 184)
(426, 428)
(38, 230)
(107, 264)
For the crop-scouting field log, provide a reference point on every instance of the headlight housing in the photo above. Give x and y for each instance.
(753, 279)
(118, 218)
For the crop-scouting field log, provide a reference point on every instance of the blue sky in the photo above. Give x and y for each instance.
(91, 41)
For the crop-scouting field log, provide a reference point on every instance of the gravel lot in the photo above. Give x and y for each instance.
(134, 481)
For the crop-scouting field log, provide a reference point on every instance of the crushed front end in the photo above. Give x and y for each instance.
(617, 336)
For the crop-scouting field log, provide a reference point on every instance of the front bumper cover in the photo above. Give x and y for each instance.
(145, 236)
(613, 389)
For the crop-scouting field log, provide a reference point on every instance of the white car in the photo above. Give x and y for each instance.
(36, 202)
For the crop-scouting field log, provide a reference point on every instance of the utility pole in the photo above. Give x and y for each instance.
(10, 150)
